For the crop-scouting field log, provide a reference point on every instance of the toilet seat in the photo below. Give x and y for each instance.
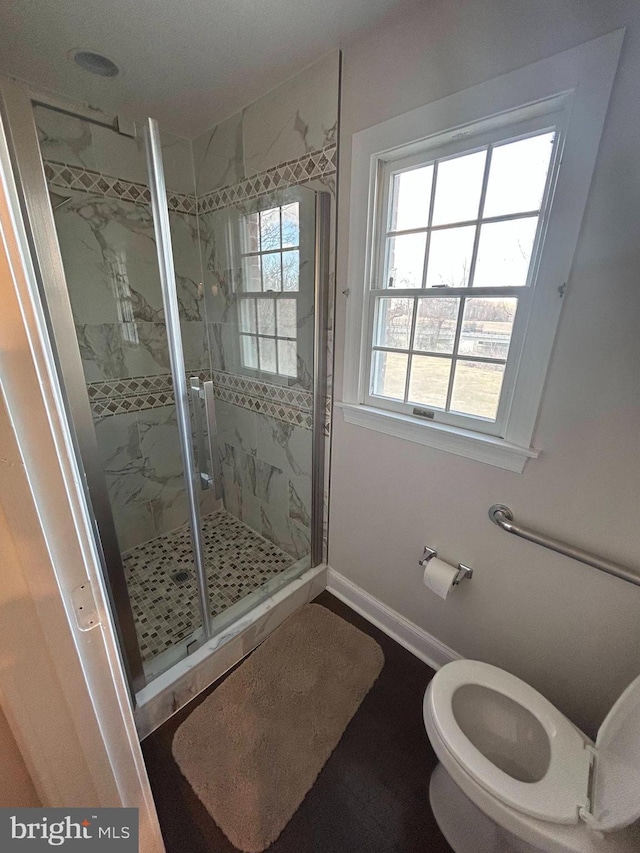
(562, 792)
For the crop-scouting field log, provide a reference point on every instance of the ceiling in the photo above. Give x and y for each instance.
(188, 63)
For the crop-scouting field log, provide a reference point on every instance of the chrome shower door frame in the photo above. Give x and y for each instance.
(176, 357)
(320, 328)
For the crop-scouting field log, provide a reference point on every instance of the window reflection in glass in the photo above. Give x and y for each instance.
(271, 267)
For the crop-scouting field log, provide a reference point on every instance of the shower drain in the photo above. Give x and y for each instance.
(181, 576)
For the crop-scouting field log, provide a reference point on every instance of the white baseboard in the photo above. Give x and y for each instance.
(417, 641)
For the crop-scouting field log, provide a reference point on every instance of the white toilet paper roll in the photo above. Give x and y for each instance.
(439, 576)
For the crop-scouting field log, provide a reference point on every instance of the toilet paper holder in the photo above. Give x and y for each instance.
(463, 571)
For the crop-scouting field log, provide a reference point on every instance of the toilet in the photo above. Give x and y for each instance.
(516, 776)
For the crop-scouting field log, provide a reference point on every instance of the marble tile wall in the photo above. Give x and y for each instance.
(108, 250)
(145, 479)
(99, 185)
(99, 188)
(265, 489)
(280, 149)
(293, 120)
(76, 142)
(265, 470)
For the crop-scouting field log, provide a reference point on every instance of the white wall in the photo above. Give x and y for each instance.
(571, 631)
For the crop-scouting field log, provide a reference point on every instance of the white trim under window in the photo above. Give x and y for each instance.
(565, 97)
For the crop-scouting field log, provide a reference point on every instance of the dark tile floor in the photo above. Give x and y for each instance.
(372, 795)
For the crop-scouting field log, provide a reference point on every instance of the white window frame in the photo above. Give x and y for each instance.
(572, 89)
(526, 123)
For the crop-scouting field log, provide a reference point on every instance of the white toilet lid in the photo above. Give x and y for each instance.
(616, 797)
(562, 791)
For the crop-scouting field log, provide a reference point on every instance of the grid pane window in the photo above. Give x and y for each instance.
(291, 271)
(499, 185)
(466, 224)
(406, 260)
(518, 175)
(476, 389)
(429, 380)
(268, 306)
(393, 328)
(450, 254)
(252, 273)
(436, 323)
(504, 253)
(458, 188)
(289, 217)
(271, 272)
(486, 327)
(450, 356)
(249, 348)
(389, 374)
(411, 198)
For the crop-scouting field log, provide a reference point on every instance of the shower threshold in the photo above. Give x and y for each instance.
(246, 624)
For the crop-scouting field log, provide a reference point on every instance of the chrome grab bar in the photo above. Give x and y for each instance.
(205, 446)
(503, 517)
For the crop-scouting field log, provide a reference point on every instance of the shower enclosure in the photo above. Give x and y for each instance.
(189, 329)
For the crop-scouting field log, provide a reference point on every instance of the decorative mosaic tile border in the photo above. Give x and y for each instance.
(89, 181)
(280, 411)
(316, 164)
(140, 393)
(122, 405)
(267, 390)
(134, 394)
(138, 385)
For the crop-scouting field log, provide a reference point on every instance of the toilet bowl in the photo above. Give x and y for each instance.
(516, 776)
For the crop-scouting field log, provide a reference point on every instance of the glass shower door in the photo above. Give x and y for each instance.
(95, 246)
(261, 299)
(259, 282)
(191, 350)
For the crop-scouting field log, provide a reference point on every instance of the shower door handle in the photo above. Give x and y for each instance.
(205, 445)
(197, 394)
(212, 432)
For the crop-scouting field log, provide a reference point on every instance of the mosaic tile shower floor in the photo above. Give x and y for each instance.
(161, 577)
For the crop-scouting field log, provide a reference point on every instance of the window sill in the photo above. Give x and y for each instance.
(482, 448)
